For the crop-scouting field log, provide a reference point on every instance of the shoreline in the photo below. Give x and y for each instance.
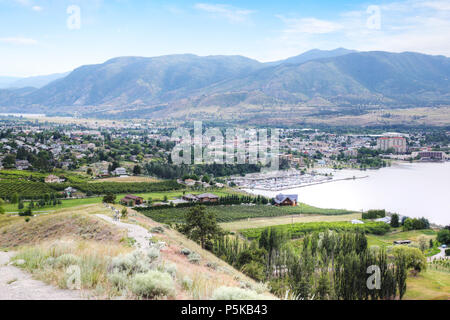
(396, 182)
(304, 184)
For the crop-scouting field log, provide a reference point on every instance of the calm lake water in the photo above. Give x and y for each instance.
(414, 190)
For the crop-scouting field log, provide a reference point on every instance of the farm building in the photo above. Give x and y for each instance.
(130, 200)
(286, 200)
(402, 242)
(190, 197)
(53, 179)
(207, 197)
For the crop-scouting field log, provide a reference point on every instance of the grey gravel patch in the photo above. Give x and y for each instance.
(25, 287)
(140, 234)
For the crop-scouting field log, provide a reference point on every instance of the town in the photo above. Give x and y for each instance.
(60, 175)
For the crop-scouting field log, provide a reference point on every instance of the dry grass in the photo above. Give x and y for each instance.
(274, 221)
(205, 279)
(93, 259)
(95, 241)
(75, 223)
(7, 220)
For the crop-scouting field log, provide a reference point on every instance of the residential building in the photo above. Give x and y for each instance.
(286, 200)
(207, 197)
(120, 172)
(53, 179)
(130, 200)
(392, 142)
(22, 164)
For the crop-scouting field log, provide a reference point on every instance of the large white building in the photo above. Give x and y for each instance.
(392, 142)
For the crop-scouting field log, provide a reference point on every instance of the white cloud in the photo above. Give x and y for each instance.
(18, 41)
(24, 2)
(408, 25)
(230, 13)
(29, 4)
(443, 5)
(310, 26)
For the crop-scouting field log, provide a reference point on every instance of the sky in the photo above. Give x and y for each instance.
(39, 37)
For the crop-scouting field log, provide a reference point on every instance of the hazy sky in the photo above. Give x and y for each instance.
(49, 36)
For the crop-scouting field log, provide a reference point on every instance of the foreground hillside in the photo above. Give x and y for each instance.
(47, 245)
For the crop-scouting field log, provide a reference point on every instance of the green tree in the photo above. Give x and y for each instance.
(443, 236)
(137, 170)
(2, 210)
(414, 257)
(408, 225)
(201, 225)
(15, 198)
(109, 198)
(394, 221)
(9, 161)
(423, 245)
(124, 212)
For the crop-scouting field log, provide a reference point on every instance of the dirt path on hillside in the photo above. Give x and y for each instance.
(16, 284)
(140, 234)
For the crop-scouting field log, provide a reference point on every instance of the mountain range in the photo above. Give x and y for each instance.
(35, 82)
(179, 85)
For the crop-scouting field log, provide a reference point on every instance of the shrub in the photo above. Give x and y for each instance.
(260, 287)
(254, 270)
(132, 263)
(187, 283)
(153, 284)
(50, 261)
(233, 293)
(153, 253)
(118, 279)
(185, 251)
(447, 252)
(212, 265)
(194, 257)
(67, 260)
(27, 213)
(170, 268)
(157, 230)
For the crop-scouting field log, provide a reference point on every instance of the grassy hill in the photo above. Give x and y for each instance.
(48, 244)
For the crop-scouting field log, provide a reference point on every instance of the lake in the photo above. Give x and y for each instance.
(414, 190)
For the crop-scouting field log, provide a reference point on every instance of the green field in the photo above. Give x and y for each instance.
(397, 234)
(298, 230)
(69, 203)
(282, 220)
(228, 213)
(428, 285)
